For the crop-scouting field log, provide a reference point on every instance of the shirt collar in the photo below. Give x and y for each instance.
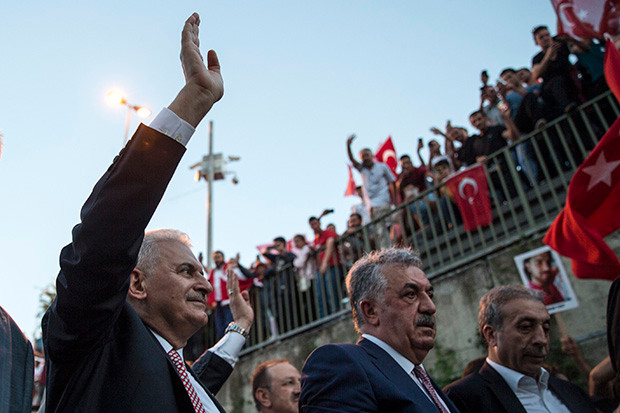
(167, 346)
(513, 378)
(402, 361)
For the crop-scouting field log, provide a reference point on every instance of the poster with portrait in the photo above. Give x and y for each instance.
(541, 270)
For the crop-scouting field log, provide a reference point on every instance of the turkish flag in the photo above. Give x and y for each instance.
(471, 192)
(387, 154)
(593, 200)
(587, 18)
(262, 247)
(351, 185)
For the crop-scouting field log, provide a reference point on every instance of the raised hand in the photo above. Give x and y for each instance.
(203, 84)
(239, 301)
(506, 112)
(569, 346)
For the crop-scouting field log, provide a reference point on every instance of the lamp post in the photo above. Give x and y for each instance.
(213, 168)
(116, 98)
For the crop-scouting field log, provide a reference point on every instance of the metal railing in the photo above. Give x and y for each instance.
(527, 180)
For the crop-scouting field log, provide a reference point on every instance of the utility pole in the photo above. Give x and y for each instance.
(212, 168)
(210, 199)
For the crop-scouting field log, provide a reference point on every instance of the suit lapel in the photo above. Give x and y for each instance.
(395, 374)
(443, 396)
(500, 388)
(567, 396)
(217, 404)
(176, 378)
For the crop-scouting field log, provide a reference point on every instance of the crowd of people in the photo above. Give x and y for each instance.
(522, 101)
(128, 302)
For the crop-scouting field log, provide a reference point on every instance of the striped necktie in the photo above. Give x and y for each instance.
(180, 366)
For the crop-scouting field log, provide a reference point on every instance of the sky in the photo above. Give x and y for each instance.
(299, 78)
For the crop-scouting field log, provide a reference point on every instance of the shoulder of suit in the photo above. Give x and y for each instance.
(339, 350)
(473, 380)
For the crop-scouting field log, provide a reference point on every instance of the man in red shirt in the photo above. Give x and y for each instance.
(416, 176)
(328, 277)
(541, 272)
(218, 299)
(410, 183)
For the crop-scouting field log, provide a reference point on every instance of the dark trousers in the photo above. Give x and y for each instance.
(529, 112)
(557, 93)
(223, 317)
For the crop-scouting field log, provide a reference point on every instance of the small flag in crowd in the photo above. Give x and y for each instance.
(351, 184)
(387, 154)
(471, 192)
(587, 19)
(593, 200)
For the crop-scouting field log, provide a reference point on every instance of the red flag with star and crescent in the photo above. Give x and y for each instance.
(593, 201)
(587, 18)
(470, 190)
(387, 154)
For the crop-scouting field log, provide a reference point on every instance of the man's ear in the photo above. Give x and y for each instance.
(490, 335)
(370, 312)
(263, 397)
(137, 285)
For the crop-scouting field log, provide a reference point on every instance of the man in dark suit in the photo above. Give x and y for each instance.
(128, 302)
(515, 325)
(16, 365)
(393, 310)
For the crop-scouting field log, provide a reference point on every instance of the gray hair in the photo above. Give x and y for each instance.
(367, 279)
(148, 257)
(490, 308)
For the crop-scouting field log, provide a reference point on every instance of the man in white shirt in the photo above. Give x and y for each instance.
(393, 310)
(378, 187)
(515, 326)
(127, 301)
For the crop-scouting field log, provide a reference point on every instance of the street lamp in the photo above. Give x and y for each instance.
(115, 98)
(213, 168)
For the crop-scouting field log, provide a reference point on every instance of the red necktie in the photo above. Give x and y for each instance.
(426, 382)
(180, 366)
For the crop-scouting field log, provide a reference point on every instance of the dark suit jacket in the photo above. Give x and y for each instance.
(487, 391)
(360, 378)
(16, 367)
(100, 357)
(613, 329)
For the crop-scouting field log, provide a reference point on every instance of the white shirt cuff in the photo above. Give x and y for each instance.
(229, 347)
(168, 123)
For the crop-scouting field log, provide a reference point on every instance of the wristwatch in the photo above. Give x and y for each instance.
(237, 329)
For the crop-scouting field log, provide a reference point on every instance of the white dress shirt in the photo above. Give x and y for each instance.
(534, 395)
(405, 364)
(168, 123)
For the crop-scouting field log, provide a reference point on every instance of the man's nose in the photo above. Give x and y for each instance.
(540, 336)
(427, 305)
(205, 286)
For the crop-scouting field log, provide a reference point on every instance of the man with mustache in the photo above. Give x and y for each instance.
(275, 387)
(127, 302)
(515, 326)
(393, 310)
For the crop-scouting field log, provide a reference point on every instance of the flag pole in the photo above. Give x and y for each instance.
(210, 199)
